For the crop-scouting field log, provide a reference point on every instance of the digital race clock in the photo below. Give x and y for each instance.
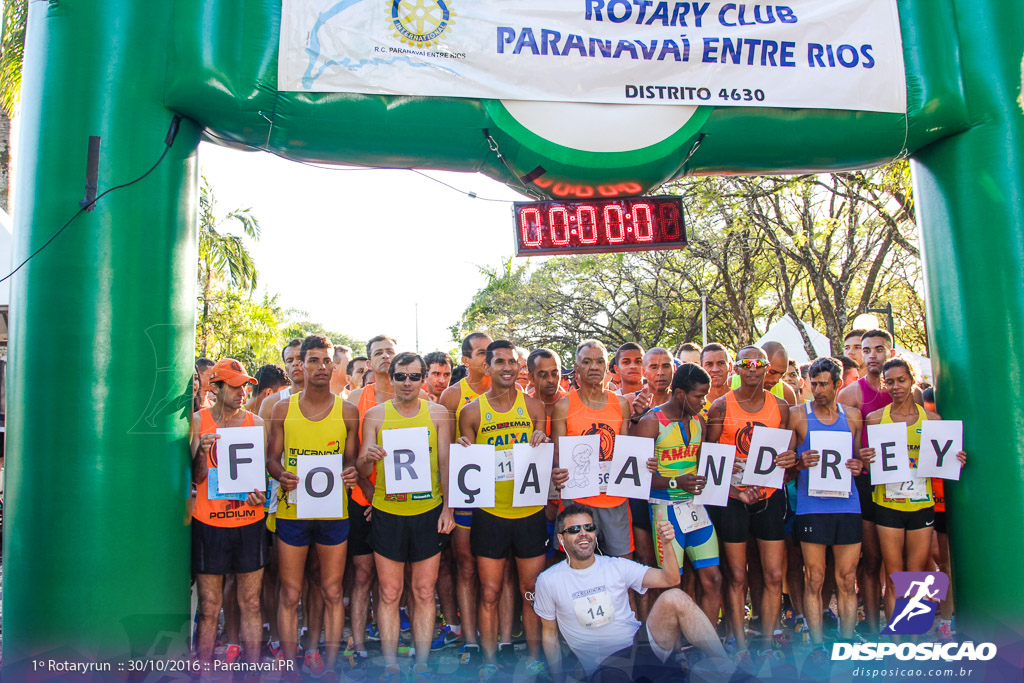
(599, 225)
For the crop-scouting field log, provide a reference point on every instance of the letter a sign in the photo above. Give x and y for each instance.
(407, 463)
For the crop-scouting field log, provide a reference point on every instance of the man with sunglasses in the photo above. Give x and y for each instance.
(503, 417)
(756, 511)
(586, 598)
(408, 528)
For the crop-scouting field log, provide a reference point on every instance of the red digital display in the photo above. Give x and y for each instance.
(600, 225)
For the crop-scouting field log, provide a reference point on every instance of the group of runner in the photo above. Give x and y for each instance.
(630, 585)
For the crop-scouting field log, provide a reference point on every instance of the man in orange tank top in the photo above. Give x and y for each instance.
(752, 511)
(228, 536)
(593, 410)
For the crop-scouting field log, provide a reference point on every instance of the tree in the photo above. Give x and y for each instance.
(222, 254)
(12, 49)
(821, 248)
(297, 329)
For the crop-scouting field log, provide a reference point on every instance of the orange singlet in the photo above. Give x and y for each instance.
(739, 427)
(367, 400)
(606, 422)
(222, 513)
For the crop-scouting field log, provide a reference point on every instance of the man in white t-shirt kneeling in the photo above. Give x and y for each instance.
(587, 599)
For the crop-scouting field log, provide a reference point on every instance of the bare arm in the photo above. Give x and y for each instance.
(370, 453)
(668, 575)
(716, 420)
(552, 648)
(559, 475)
(445, 430)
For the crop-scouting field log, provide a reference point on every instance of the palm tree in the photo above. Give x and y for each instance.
(12, 47)
(222, 253)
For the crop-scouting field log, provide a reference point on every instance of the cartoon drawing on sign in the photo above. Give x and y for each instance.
(916, 606)
(581, 456)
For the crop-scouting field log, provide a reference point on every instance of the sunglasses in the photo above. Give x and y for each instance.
(756, 363)
(411, 376)
(576, 528)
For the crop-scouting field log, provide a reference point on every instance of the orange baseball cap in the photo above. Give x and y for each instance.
(231, 371)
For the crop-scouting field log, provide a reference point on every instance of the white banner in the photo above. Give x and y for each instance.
(941, 440)
(241, 460)
(766, 444)
(581, 456)
(407, 463)
(471, 476)
(714, 463)
(831, 475)
(892, 456)
(533, 465)
(630, 477)
(840, 54)
(321, 492)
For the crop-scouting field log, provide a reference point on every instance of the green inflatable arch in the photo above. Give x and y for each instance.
(96, 565)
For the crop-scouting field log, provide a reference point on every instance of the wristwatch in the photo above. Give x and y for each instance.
(673, 483)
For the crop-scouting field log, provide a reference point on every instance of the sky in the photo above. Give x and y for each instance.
(358, 250)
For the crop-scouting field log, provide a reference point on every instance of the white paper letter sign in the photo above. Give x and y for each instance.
(407, 463)
(831, 472)
(241, 461)
(715, 464)
(471, 476)
(892, 458)
(320, 493)
(580, 455)
(765, 444)
(628, 473)
(533, 473)
(941, 440)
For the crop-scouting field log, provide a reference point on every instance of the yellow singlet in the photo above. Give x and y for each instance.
(408, 504)
(914, 446)
(305, 437)
(466, 396)
(504, 430)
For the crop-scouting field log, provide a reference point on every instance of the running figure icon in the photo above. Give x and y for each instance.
(916, 606)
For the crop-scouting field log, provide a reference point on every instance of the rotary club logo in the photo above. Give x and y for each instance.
(420, 23)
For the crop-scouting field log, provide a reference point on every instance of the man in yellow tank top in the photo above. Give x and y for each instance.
(312, 422)
(454, 398)
(407, 528)
(503, 417)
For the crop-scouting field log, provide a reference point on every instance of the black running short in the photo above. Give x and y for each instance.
(902, 519)
(229, 550)
(496, 537)
(829, 529)
(406, 538)
(765, 520)
(359, 529)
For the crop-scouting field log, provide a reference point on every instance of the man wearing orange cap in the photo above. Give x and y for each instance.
(228, 536)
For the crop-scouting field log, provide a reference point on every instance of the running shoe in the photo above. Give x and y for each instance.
(470, 658)
(422, 675)
(392, 674)
(444, 637)
(372, 633)
(403, 617)
(507, 656)
(232, 653)
(817, 666)
(745, 661)
(313, 664)
(945, 631)
(538, 671)
(488, 672)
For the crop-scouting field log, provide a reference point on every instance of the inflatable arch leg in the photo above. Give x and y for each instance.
(968, 190)
(96, 543)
